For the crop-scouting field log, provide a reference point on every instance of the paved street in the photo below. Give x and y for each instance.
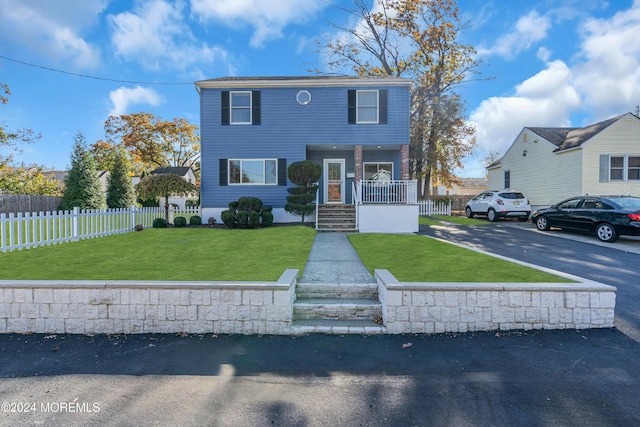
(534, 378)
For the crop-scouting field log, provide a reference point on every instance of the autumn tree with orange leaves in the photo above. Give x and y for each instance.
(416, 39)
(150, 142)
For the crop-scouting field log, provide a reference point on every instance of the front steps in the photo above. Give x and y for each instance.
(337, 309)
(337, 217)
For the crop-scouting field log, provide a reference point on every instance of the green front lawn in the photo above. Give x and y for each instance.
(413, 258)
(460, 220)
(184, 254)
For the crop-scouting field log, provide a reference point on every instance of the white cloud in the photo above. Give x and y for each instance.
(156, 35)
(53, 29)
(609, 71)
(529, 30)
(267, 17)
(546, 99)
(122, 98)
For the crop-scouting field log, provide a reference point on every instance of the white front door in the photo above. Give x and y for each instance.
(334, 181)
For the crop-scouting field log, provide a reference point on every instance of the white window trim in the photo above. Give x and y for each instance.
(358, 121)
(264, 183)
(231, 107)
(504, 179)
(377, 163)
(625, 167)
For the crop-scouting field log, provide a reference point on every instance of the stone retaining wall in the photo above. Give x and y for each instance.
(109, 307)
(126, 307)
(462, 307)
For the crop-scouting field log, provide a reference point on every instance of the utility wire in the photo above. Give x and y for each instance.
(92, 77)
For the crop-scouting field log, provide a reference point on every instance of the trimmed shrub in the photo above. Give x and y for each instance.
(267, 219)
(249, 204)
(160, 223)
(247, 212)
(195, 220)
(254, 219)
(180, 221)
(243, 219)
(229, 218)
(305, 174)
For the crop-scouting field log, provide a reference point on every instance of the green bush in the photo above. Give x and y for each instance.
(160, 223)
(305, 174)
(195, 220)
(229, 218)
(247, 212)
(249, 204)
(243, 219)
(180, 221)
(254, 219)
(192, 203)
(267, 219)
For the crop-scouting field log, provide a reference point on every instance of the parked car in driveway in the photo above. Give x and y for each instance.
(499, 204)
(606, 216)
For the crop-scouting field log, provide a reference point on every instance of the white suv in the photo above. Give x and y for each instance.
(497, 204)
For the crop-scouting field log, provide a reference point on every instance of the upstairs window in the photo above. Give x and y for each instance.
(621, 168)
(367, 106)
(240, 107)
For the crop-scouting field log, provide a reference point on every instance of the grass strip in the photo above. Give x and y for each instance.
(174, 254)
(413, 258)
(460, 220)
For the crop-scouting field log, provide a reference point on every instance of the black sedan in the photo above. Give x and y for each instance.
(606, 216)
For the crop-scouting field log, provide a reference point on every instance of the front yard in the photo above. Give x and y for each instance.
(182, 254)
(204, 254)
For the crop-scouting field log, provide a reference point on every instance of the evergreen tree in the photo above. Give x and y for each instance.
(82, 184)
(120, 192)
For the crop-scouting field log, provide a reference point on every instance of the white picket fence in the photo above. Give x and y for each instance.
(29, 230)
(434, 207)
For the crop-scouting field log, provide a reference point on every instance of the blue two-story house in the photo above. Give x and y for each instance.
(357, 128)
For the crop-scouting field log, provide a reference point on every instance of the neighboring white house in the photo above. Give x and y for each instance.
(551, 164)
(185, 173)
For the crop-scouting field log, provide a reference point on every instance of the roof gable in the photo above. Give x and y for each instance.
(567, 138)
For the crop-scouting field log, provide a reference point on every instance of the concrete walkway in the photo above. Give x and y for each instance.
(333, 260)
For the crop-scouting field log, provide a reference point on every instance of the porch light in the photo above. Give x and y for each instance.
(379, 147)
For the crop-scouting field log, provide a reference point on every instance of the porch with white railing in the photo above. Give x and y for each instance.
(388, 206)
(394, 192)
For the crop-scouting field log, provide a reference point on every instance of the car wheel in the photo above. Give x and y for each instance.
(469, 212)
(542, 223)
(491, 215)
(606, 233)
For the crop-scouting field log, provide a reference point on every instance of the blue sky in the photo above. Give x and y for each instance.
(551, 62)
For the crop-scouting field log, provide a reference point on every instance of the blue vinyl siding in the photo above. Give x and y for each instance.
(286, 129)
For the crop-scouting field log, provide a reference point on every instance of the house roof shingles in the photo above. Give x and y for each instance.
(567, 138)
(182, 171)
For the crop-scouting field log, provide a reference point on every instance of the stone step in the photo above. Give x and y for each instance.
(337, 327)
(337, 290)
(337, 309)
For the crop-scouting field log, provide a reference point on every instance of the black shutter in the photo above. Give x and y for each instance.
(352, 106)
(224, 173)
(226, 114)
(255, 107)
(282, 172)
(382, 105)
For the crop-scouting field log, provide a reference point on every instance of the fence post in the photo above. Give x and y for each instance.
(75, 232)
(132, 217)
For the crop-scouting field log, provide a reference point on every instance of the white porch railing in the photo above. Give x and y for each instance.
(398, 192)
(435, 207)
